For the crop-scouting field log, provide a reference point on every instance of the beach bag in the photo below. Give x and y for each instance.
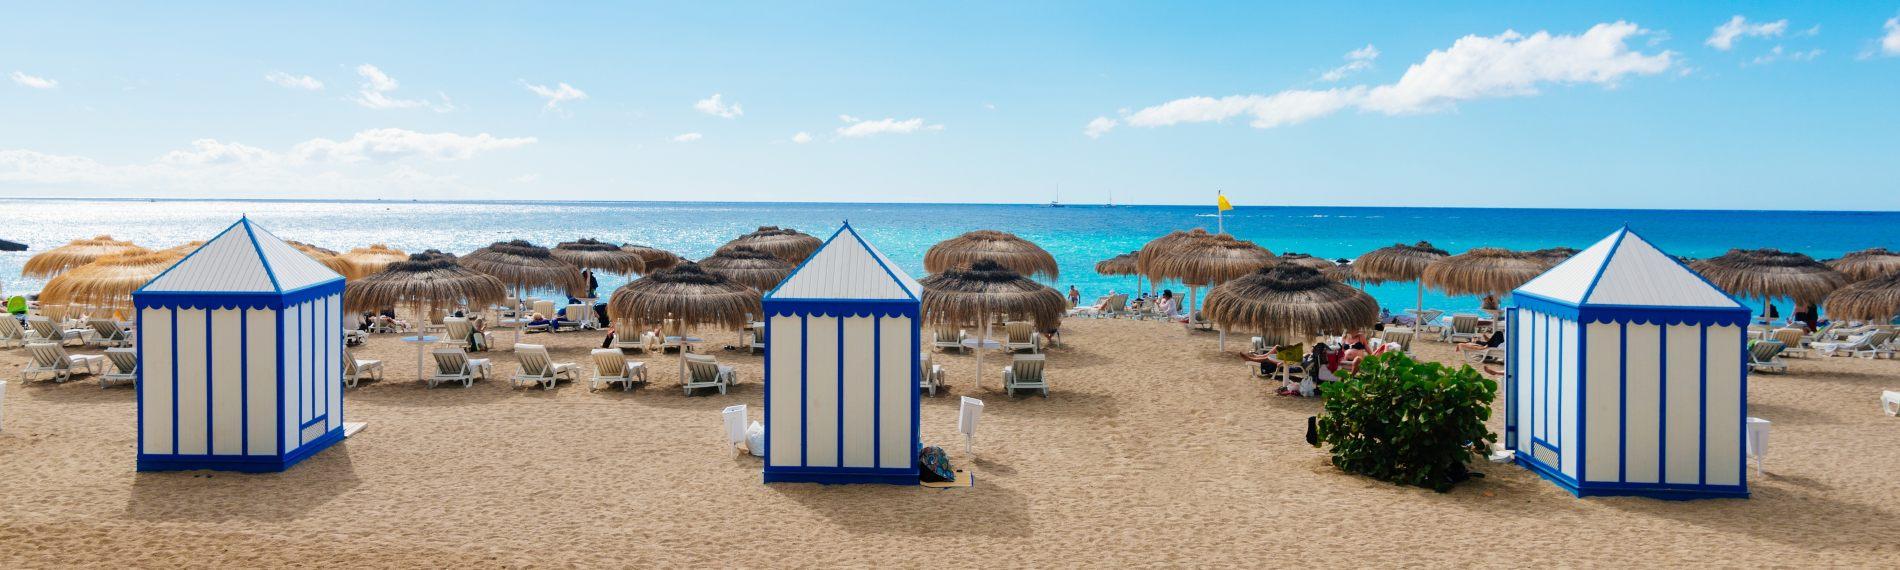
(933, 465)
(755, 439)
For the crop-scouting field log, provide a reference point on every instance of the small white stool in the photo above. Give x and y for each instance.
(1890, 402)
(1758, 441)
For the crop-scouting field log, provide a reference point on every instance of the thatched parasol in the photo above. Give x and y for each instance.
(80, 252)
(185, 248)
(1400, 262)
(1158, 247)
(423, 282)
(1876, 299)
(109, 281)
(1483, 271)
(1017, 254)
(367, 261)
(754, 268)
(1319, 263)
(653, 258)
(1551, 256)
(328, 257)
(1867, 264)
(1769, 273)
(589, 253)
(10, 245)
(1209, 260)
(687, 293)
(524, 266)
(1290, 302)
(1124, 264)
(788, 244)
(1346, 273)
(986, 288)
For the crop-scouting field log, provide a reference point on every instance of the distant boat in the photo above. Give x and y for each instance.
(1055, 204)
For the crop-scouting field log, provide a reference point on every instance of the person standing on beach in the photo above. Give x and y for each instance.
(1075, 296)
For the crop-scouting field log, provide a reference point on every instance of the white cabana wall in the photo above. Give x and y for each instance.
(841, 369)
(240, 353)
(1626, 376)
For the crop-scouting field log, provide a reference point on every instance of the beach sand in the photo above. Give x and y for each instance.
(1153, 449)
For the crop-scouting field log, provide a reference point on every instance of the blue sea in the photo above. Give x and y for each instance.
(1078, 235)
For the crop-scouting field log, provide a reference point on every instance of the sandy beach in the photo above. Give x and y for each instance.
(1153, 450)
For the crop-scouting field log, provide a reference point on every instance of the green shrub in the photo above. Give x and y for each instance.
(1408, 422)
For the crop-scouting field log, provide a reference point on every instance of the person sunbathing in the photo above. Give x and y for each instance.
(537, 320)
(1496, 340)
(1269, 360)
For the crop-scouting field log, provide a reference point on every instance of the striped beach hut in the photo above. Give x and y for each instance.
(240, 348)
(841, 368)
(1627, 376)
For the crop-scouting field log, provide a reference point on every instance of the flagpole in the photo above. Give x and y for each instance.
(1220, 217)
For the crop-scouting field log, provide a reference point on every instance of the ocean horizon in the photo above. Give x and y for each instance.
(1078, 235)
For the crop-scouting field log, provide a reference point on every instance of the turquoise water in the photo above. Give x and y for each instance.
(1078, 236)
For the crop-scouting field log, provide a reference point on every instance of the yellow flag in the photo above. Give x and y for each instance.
(1223, 203)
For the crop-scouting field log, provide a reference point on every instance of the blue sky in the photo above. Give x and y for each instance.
(1525, 104)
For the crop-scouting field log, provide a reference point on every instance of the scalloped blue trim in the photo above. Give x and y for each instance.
(1714, 316)
(843, 307)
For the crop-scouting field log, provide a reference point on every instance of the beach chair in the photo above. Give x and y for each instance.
(929, 374)
(123, 367)
(108, 333)
(1879, 346)
(383, 325)
(1427, 320)
(354, 369)
(947, 336)
(1492, 354)
(436, 321)
(574, 317)
(452, 364)
(1025, 373)
(1792, 339)
(44, 329)
(1200, 322)
(11, 333)
(1847, 347)
(1292, 361)
(1402, 338)
(539, 368)
(611, 365)
(545, 307)
(1020, 336)
(1464, 328)
(758, 338)
(50, 358)
(456, 330)
(705, 371)
(645, 342)
(1762, 356)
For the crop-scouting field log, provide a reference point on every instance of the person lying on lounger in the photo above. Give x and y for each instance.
(1496, 340)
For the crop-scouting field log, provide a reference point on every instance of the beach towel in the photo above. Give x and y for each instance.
(934, 466)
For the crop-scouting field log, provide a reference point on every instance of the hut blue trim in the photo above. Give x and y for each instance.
(841, 401)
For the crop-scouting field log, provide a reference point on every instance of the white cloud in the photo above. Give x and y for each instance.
(802, 137)
(1890, 43)
(1474, 67)
(32, 81)
(713, 106)
(859, 128)
(1738, 27)
(1098, 127)
(556, 95)
(376, 89)
(304, 82)
(688, 137)
(1779, 53)
(390, 144)
(1356, 61)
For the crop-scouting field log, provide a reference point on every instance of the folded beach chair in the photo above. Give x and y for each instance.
(124, 366)
(1879, 346)
(354, 369)
(611, 365)
(539, 368)
(1021, 336)
(106, 332)
(1793, 339)
(705, 371)
(1464, 328)
(1025, 373)
(12, 333)
(929, 374)
(452, 364)
(948, 336)
(1762, 356)
(51, 359)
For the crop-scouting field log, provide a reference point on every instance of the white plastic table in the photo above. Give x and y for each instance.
(420, 342)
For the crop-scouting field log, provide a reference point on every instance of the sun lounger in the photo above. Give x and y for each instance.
(354, 369)
(1792, 340)
(1021, 336)
(354, 337)
(1880, 346)
(611, 365)
(436, 318)
(757, 343)
(574, 317)
(46, 330)
(1847, 347)
(705, 371)
(1403, 338)
(1464, 328)
(1025, 373)
(106, 332)
(948, 336)
(124, 367)
(1762, 357)
(929, 374)
(50, 358)
(12, 333)
(452, 364)
(539, 368)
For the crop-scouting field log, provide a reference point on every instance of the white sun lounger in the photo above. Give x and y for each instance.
(51, 359)
(539, 368)
(124, 367)
(354, 370)
(611, 365)
(1025, 373)
(452, 364)
(705, 371)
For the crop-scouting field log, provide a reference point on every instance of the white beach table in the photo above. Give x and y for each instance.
(590, 319)
(421, 342)
(986, 344)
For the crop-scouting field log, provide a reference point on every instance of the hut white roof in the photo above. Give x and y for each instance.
(847, 267)
(1626, 270)
(243, 259)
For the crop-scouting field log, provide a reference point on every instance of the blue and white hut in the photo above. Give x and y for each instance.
(240, 349)
(841, 368)
(1626, 376)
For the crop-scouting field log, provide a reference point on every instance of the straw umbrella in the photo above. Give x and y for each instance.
(1876, 299)
(524, 267)
(1006, 249)
(687, 293)
(984, 288)
(1210, 260)
(1867, 264)
(328, 257)
(109, 281)
(1552, 256)
(596, 255)
(185, 248)
(1319, 263)
(1770, 273)
(367, 261)
(755, 268)
(653, 258)
(1483, 271)
(423, 283)
(1124, 264)
(1158, 247)
(80, 252)
(788, 244)
(1290, 302)
(1400, 262)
